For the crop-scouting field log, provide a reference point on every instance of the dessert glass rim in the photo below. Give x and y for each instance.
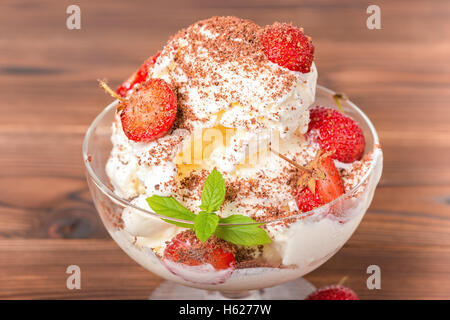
(114, 197)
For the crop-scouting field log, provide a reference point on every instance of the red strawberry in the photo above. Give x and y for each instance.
(319, 184)
(210, 262)
(306, 200)
(336, 292)
(288, 47)
(138, 77)
(337, 133)
(149, 111)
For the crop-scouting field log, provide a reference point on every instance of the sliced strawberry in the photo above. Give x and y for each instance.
(288, 47)
(337, 133)
(149, 111)
(138, 77)
(320, 184)
(307, 200)
(210, 262)
(331, 186)
(335, 292)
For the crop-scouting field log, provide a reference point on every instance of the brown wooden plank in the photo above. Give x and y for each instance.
(36, 269)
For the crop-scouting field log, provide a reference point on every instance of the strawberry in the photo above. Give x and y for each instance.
(319, 183)
(209, 262)
(138, 77)
(149, 111)
(307, 200)
(288, 47)
(337, 133)
(335, 292)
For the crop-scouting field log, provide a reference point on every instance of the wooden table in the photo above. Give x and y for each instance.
(399, 75)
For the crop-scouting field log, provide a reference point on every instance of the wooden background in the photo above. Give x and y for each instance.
(400, 76)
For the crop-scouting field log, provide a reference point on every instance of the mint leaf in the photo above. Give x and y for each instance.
(213, 193)
(205, 224)
(250, 235)
(238, 218)
(179, 224)
(246, 235)
(170, 207)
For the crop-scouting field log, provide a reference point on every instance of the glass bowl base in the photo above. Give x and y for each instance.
(298, 289)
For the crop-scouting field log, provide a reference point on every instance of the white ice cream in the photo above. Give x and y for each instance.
(257, 103)
(254, 102)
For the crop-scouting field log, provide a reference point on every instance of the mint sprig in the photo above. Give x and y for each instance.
(248, 235)
(213, 193)
(206, 223)
(170, 207)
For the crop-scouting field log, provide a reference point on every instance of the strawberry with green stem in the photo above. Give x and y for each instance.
(149, 112)
(140, 76)
(319, 181)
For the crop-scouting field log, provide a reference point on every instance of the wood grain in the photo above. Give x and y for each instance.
(399, 75)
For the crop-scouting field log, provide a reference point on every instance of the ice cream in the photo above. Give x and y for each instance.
(238, 89)
(234, 104)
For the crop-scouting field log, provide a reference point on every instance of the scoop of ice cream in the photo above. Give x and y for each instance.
(232, 102)
(223, 78)
(225, 84)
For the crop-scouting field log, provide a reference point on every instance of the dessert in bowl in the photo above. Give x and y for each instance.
(222, 166)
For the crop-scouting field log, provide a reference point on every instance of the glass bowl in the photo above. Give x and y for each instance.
(305, 241)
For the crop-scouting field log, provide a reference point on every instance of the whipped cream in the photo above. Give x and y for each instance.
(235, 88)
(223, 77)
(224, 82)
